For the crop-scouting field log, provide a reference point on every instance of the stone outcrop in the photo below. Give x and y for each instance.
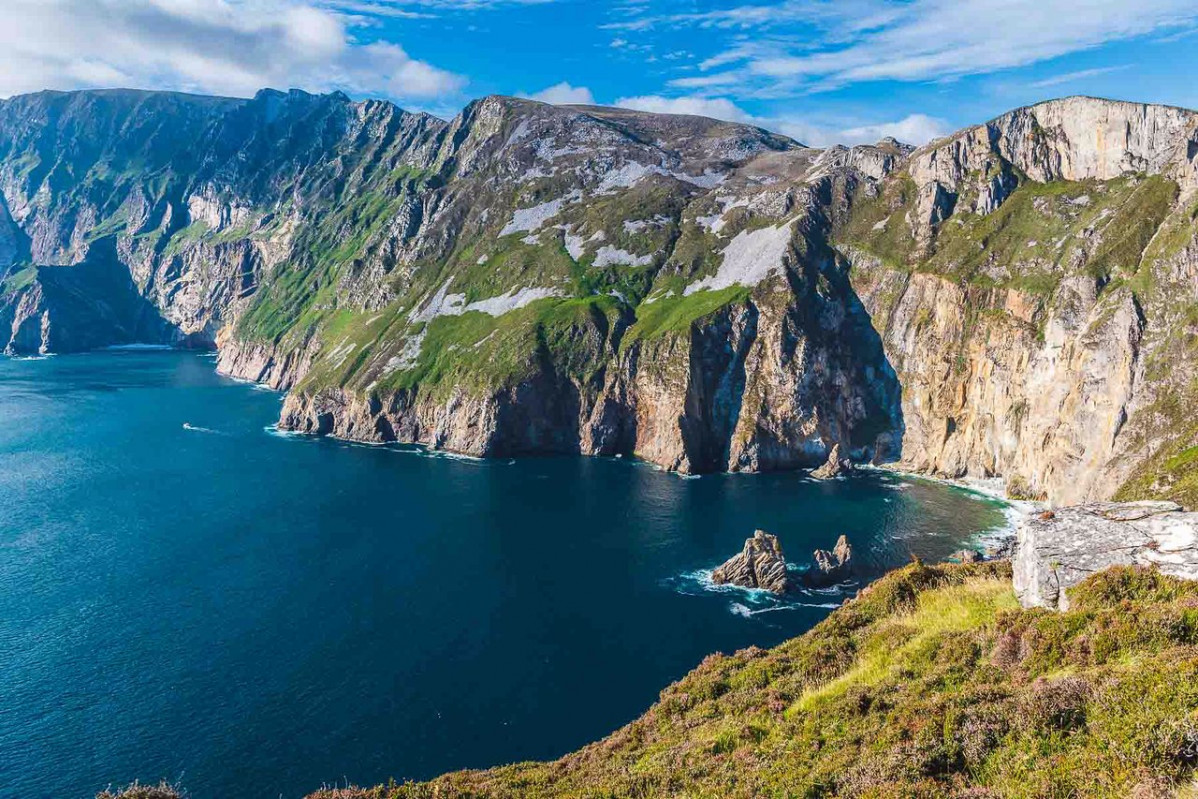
(1057, 549)
(834, 466)
(760, 565)
(829, 568)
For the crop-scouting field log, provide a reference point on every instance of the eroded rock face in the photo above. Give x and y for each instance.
(830, 568)
(1057, 549)
(1013, 300)
(835, 466)
(760, 565)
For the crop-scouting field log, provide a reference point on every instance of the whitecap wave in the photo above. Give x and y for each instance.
(195, 428)
(744, 611)
(750, 602)
(275, 430)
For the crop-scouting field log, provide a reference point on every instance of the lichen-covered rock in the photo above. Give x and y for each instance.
(760, 565)
(1057, 549)
(829, 568)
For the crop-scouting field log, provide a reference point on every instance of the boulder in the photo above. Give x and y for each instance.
(829, 568)
(760, 565)
(1057, 549)
(834, 466)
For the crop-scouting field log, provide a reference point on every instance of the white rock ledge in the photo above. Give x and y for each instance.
(1056, 550)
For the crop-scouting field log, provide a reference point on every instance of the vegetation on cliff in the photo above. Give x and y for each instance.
(1015, 300)
(931, 683)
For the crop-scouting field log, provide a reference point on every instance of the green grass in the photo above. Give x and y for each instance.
(936, 613)
(1127, 233)
(1170, 472)
(879, 224)
(931, 683)
(1028, 243)
(481, 353)
(675, 314)
(18, 280)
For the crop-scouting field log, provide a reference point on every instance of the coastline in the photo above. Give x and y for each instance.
(1015, 510)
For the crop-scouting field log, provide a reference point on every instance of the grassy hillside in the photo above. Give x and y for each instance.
(932, 683)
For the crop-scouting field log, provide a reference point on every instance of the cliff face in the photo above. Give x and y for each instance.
(1030, 306)
(1017, 300)
(198, 198)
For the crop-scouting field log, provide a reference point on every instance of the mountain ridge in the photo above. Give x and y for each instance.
(704, 294)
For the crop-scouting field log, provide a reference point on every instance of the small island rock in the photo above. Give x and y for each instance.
(760, 565)
(829, 568)
(834, 466)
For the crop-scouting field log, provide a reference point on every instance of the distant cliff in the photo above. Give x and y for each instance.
(1018, 300)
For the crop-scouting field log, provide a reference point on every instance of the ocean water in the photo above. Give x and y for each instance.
(186, 594)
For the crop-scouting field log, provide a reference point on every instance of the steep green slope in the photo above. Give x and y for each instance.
(1016, 300)
(931, 683)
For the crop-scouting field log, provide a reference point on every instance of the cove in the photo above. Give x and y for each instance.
(186, 594)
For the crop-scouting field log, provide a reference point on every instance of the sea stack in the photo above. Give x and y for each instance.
(834, 466)
(829, 568)
(760, 565)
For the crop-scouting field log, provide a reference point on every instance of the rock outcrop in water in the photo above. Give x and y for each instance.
(1057, 549)
(1014, 300)
(760, 565)
(829, 568)
(965, 556)
(834, 466)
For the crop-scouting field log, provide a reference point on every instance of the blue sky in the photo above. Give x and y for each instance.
(849, 70)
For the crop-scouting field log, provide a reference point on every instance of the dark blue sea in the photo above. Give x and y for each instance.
(185, 593)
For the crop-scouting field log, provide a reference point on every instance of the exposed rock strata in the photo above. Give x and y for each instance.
(829, 568)
(760, 565)
(1014, 300)
(1057, 549)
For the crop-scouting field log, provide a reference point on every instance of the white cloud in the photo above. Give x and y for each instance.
(706, 81)
(232, 47)
(403, 8)
(801, 46)
(912, 129)
(716, 107)
(564, 94)
(1070, 77)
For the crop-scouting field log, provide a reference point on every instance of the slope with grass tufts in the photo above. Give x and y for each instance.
(932, 683)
